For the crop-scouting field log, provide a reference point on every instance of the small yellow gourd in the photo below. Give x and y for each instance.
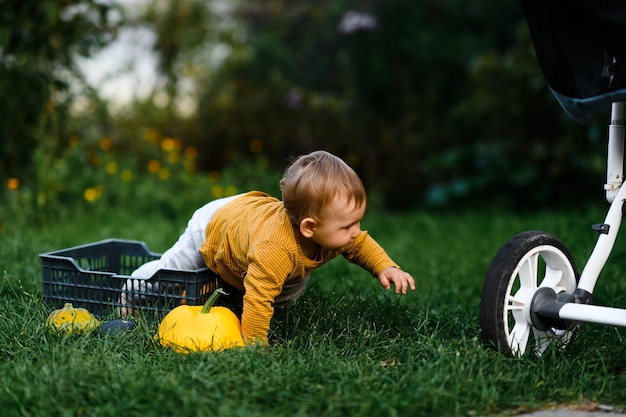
(72, 320)
(200, 328)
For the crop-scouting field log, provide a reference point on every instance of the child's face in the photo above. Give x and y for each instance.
(338, 224)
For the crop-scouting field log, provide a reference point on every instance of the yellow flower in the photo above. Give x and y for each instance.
(190, 165)
(111, 167)
(90, 194)
(164, 173)
(73, 141)
(154, 166)
(255, 145)
(106, 144)
(126, 175)
(230, 190)
(13, 184)
(170, 144)
(173, 157)
(152, 135)
(191, 152)
(217, 191)
(214, 176)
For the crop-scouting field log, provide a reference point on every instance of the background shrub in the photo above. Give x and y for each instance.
(434, 103)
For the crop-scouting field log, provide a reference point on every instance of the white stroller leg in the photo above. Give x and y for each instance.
(604, 245)
(615, 155)
(615, 194)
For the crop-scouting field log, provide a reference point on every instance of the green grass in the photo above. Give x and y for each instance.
(348, 348)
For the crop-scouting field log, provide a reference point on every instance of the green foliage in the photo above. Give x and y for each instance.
(432, 103)
(155, 174)
(520, 141)
(39, 42)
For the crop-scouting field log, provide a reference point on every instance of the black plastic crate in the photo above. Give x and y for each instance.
(94, 276)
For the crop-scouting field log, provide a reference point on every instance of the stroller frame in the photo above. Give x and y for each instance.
(518, 303)
(578, 308)
(532, 290)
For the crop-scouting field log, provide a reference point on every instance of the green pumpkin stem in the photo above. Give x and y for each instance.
(212, 299)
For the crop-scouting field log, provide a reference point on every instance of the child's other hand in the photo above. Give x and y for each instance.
(400, 279)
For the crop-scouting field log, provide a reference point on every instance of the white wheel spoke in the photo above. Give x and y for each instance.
(514, 302)
(528, 272)
(553, 277)
(514, 306)
(518, 338)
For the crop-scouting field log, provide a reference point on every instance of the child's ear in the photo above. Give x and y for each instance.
(307, 227)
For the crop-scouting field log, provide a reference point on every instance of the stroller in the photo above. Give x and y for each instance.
(533, 295)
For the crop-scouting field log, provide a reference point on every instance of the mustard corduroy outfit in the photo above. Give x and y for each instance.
(252, 245)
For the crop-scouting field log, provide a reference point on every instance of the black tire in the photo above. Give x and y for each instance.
(527, 261)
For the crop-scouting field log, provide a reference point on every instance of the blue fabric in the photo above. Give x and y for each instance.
(583, 109)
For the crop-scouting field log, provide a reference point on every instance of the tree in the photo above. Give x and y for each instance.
(39, 43)
(436, 101)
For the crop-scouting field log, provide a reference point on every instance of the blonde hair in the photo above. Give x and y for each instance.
(312, 181)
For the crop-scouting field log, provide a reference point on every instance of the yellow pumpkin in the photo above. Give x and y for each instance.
(200, 328)
(72, 320)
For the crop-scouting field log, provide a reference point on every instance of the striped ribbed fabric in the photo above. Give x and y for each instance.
(252, 245)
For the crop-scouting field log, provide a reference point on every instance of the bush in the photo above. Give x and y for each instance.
(157, 174)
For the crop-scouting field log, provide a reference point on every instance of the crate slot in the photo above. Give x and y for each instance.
(93, 276)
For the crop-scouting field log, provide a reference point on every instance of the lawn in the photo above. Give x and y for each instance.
(348, 348)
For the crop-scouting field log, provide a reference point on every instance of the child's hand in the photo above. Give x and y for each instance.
(400, 279)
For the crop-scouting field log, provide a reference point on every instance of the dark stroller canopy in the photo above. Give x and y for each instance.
(580, 46)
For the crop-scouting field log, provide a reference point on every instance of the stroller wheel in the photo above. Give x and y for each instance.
(526, 262)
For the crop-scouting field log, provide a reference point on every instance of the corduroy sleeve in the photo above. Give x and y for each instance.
(367, 253)
(270, 264)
